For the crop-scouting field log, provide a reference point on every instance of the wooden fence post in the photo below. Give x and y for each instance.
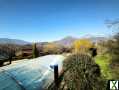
(56, 76)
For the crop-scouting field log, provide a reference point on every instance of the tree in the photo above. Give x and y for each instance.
(35, 51)
(8, 50)
(113, 47)
(113, 43)
(82, 45)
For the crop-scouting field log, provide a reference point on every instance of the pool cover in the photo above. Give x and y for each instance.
(30, 74)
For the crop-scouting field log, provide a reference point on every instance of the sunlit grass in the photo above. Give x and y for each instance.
(103, 61)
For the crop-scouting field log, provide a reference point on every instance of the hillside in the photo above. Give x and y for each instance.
(13, 41)
(67, 41)
(96, 39)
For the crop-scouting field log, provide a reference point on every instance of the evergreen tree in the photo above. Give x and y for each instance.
(34, 52)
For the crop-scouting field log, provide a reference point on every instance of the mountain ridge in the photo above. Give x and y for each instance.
(66, 41)
(13, 41)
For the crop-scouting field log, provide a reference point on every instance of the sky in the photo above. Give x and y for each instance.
(49, 20)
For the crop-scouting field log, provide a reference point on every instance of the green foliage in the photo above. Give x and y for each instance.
(81, 73)
(104, 61)
(113, 49)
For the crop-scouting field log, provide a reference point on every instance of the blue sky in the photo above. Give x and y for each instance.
(48, 20)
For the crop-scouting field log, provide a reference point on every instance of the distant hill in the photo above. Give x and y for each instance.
(96, 39)
(67, 41)
(13, 41)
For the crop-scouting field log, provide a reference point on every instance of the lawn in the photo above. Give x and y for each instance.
(103, 61)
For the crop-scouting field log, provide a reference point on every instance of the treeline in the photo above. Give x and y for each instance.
(52, 48)
(9, 49)
(110, 48)
(31, 50)
(113, 49)
(36, 49)
(7, 52)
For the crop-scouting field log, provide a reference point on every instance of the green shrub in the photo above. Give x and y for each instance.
(81, 73)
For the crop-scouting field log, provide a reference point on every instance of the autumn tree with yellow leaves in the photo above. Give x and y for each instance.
(82, 45)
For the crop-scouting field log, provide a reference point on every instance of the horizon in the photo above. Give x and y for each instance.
(42, 21)
(89, 36)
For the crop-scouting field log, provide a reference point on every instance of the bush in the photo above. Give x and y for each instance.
(81, 73)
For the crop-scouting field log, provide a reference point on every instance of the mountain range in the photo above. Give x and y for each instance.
(13, 41)
(67, 41)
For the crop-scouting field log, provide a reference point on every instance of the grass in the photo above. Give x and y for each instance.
(103, 61)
